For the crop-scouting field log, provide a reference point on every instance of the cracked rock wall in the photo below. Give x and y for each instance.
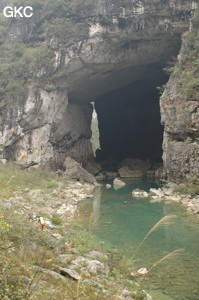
(97, 47)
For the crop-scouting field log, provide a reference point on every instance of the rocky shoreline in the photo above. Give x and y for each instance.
(168, 193)
(62, 201)
(57, 206)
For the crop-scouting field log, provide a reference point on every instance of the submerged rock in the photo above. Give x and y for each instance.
(147, 297)
(156, 192)
(108, 186)
(139, 193)
(142, 271)
(118, 183)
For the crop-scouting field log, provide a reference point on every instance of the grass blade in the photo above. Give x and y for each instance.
(163, 221)
(169, 255)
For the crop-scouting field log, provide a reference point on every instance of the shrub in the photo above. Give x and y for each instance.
(188, 188)
(56, 220)
(186, 69)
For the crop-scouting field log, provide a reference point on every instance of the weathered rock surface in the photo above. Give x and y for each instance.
(108, 186)
(109, 45)
(134, 168)
(96, 254)
(87, 265)
(139, 193)
(180, 114)
(148, 297)
(168, 193)
(68, 272)
(75, 170)
(118, 183)
(52, 273)
(93, 167)
(142, 271)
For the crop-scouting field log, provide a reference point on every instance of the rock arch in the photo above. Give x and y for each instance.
(120, 47)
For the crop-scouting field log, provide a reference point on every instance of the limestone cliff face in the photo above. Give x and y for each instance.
(181, 126)
(180, 111)
(95, 47)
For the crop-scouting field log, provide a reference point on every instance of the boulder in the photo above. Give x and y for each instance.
(51, 273)
(139, 193)
(135, 168)
(148, 297)
(118, 182)
(93, 167)
(142, 271)
(155, 200)
(3, 161)
(157, 192)
(91, 266)
(111, 175)
(108, 186)
(74, 170)
(96, 254)
(126, 172)
(134, 274)
(100, 177)
(49, 224)
(137, 164)
(68, 272)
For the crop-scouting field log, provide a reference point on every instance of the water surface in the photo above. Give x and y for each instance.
(120, 222)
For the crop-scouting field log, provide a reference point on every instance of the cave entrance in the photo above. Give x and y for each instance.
(129, 121)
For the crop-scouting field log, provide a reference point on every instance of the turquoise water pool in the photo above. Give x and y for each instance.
(119, 221)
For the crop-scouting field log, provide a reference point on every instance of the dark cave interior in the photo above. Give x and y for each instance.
(129, 121)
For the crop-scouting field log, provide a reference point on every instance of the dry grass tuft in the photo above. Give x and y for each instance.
(165, 220)
(169, 255)
(78, 288)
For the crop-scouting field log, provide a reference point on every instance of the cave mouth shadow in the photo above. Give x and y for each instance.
(129, 123)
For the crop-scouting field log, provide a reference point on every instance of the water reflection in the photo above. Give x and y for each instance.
(122, 226)
(96, 207)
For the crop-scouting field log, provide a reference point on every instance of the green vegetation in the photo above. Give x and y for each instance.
(161, 89)
(26, 63)
(19, 67)
(186, 69)
(56, 220)
(25, 250)
(27, 254)
(13, 178)
(188, 188)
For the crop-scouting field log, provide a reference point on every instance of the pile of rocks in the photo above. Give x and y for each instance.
(137, 168)
(168, 193)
